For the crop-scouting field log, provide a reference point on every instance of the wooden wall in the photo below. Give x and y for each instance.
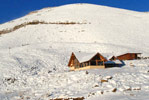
(128, 56)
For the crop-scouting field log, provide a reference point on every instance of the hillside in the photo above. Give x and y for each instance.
(35, 50)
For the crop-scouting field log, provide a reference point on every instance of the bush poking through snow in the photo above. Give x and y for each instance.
(137, 88)
(86, 72)
(109, 77)
(102, 92)
(96, 86)
(10, 80)
(129, 89)
(114, 90)
(102, 81)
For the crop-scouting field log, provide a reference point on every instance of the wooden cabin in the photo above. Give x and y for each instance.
(128, 56)
(82, 61)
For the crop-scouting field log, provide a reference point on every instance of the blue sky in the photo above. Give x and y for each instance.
(12, 9)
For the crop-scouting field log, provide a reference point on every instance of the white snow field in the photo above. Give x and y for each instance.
(34, 58)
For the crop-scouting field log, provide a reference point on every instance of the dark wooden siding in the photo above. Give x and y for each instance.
(128, 56)
(73, 61)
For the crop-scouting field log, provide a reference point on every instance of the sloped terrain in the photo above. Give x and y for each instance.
(34, 57)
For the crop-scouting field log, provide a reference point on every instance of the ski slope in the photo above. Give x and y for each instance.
(34, 58)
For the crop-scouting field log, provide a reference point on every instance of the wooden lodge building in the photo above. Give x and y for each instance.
(82, 61)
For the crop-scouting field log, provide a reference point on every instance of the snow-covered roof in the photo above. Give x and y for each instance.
(113, 62)
(83, 56)
(117, 61)
(107, 55)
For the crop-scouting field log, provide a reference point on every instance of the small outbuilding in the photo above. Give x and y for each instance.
(128, 56)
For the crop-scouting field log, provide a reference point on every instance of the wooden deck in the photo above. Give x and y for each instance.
(87, 67)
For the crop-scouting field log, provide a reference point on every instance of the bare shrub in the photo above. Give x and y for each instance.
(10, 80)
(114, 90)
(102, 81)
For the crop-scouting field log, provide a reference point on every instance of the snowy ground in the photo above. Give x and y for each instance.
(129, 82)
(34, 58)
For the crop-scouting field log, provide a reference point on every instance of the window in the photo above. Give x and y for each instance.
(100, 63)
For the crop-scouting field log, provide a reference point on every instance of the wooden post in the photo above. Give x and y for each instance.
(73, 61)
(96, 62)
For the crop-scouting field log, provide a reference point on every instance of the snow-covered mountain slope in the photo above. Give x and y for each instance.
(35, 56)
(103, 25)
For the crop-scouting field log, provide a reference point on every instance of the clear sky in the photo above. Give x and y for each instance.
(12, 9)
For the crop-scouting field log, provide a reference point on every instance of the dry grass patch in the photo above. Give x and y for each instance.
(35, 22)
